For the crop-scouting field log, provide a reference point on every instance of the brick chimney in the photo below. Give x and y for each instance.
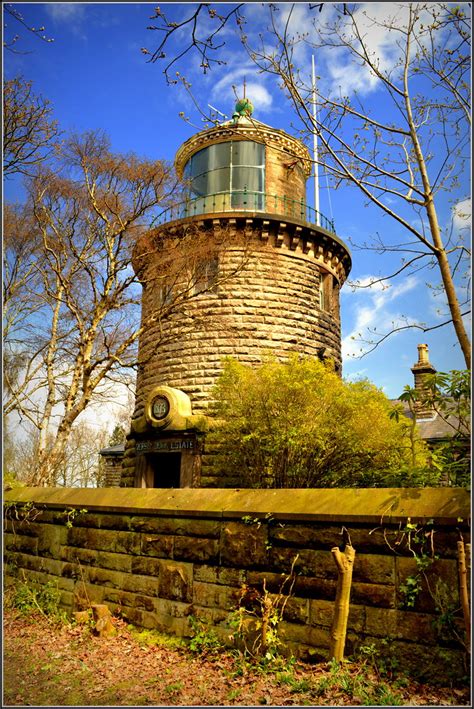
(421, 370)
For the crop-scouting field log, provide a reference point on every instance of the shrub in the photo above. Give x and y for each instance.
(298, 424)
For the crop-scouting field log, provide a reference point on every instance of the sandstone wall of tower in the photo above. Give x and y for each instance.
(284, 177)
(275, 278)
(270, 306)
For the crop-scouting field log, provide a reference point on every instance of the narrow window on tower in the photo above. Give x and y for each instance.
(165, 294)
(204, 275)
(325, 291)
(335, 299)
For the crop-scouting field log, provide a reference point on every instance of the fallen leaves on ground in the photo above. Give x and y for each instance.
(58, 664)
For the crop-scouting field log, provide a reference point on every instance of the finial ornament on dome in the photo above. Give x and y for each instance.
(243, 107)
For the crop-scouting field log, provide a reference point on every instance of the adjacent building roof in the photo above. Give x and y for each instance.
(113, 450)
(433, 427)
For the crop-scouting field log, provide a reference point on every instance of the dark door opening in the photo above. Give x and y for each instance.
(166, 469)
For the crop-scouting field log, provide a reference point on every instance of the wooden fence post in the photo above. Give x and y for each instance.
(463, 591)
(345, 563)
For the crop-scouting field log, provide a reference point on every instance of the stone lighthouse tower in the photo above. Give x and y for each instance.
(262, 278)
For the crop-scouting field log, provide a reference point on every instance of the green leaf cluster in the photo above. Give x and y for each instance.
(31, 598)
(448, 396)
(298, 424)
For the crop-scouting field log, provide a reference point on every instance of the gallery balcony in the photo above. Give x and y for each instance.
(244, 201)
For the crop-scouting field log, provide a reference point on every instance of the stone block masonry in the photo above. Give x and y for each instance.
(267, 303)
(158, 557)
(242, 269)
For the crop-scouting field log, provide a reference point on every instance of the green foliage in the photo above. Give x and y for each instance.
(205, 640)
(255, 623)
(28, 598)
(448, 394)
(150, 637)
(296, 685)
(297, 424)
(410, 591)
(118, 435)
(357, 681)
(447, 621)
(10, 480)
(418, 539)
(19, 513)
(71, 513)
(174, 687)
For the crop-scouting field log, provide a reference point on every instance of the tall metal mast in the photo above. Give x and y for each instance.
(315, 145)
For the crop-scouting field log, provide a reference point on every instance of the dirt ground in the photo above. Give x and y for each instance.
(58, 664)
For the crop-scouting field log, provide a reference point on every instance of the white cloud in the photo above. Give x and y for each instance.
(224, 96)
(392, 292)
(462, 214)
(375, 313)
(357, 374)
(381, 28)
(261, 98)
(65, 11)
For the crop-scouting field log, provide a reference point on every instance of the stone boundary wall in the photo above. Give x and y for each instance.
(161, 556)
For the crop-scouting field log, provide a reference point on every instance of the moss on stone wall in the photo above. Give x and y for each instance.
(161, 556)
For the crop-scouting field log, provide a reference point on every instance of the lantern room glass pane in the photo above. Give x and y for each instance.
(228, 168)
(199, 185)
(219, 155)
(246, 153)
(247, 178)
(199, 163)
(218, 180)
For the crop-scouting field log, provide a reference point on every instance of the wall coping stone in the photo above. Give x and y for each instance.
(378, 505)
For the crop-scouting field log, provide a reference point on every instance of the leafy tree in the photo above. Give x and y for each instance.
(297, 424)
(448, 394)
(29, 132)
(403, 144)
(117, 436)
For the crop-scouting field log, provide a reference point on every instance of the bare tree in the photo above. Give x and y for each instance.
(82, 328)
(72, 302)
(80, 464)
(402, 164)
(29, 133)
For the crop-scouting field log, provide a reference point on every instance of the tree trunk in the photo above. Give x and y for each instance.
(463, 591)
(345, 564)
(439, 248)
(454, 308)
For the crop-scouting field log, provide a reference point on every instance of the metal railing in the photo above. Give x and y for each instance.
(244, 201)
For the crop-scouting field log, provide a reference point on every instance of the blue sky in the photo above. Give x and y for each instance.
(96, 77)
